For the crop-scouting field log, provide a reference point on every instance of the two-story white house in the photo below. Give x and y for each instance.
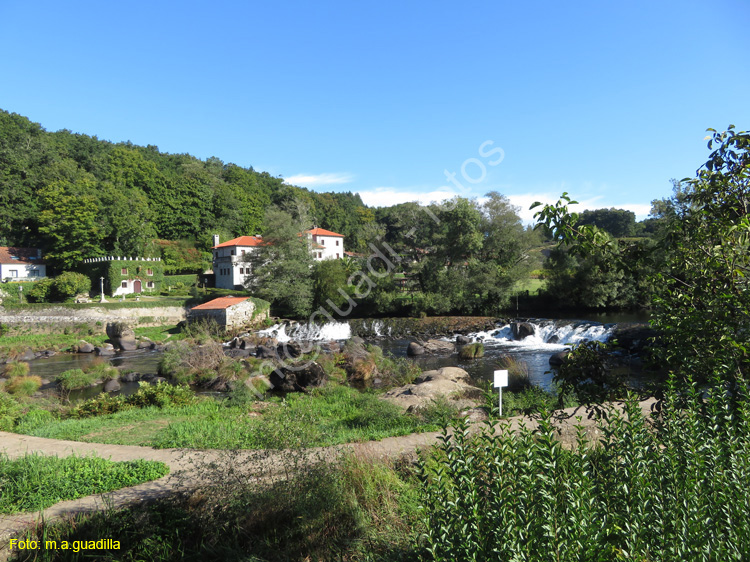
(325, 245)
(230, 267)
(19, 264)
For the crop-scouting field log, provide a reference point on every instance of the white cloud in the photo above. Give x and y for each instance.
(387, 196)
(314, 180)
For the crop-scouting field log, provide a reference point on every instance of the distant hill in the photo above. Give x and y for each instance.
(74, 196)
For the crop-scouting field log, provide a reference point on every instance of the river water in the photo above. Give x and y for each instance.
(534, 350)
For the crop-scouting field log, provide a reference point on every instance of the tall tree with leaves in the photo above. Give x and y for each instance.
(281, 269)
(69, 224)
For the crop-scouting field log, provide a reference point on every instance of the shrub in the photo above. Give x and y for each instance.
(471, 351)
(162, 395)
(70, 284)
(23, 386)
(16, 369)
(73, 379)
(100, 405)
(518, 373)
(10, 409)
(41, 291)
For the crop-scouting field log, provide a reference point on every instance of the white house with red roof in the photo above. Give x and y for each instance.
(18, 264)
(231, 268)
(326, 245)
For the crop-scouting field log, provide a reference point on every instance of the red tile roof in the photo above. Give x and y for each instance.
(220, 303)
(242, 241)
(11, 254)
(322, 232)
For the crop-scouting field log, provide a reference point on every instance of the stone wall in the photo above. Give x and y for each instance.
(53, 317)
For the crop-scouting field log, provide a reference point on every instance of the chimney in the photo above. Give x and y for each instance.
(216, 239)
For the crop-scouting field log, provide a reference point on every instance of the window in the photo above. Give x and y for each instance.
(124, 271)
(150, 284)
(243, 252)
(322, 242)
(124, 285)
(34, 273)
(337, 242)
(320, 254)
(13, 273)
(232, 252)
(242, 271)
(149, 272)
(337, 255)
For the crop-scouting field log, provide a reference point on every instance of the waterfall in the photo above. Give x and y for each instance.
(308, 332)
(547, 334)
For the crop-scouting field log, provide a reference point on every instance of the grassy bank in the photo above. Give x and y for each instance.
(357, 509)
(18, 339)
(330, 415)
(35, 482)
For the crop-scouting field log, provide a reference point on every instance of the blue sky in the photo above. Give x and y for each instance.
(604, 100)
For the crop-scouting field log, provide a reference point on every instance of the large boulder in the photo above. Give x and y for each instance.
(298, 378)
(558, 358)
(85, 347)
(106, 350)
(463, 340)
(471, 351)
(27, 355)
(122, 336)
(522, 330)
(265, 352)
(289, 349)
(451, 383)
(431, 347)
(414, 349)
(111, 385)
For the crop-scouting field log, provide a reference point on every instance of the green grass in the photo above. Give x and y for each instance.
(17, 342)
(34, 482)
(73, 379)
(533, 286)
(160, 334)
(357, 509)
(327, 416)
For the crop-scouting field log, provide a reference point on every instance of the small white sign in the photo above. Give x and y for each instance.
(501, 378)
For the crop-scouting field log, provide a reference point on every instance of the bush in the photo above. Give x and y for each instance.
(23, 386)
(41, 291)
(665, 495)
(16, 369)
(74, 379)
(10, 409)
(471, 351)
(162, 395)
(70, 284)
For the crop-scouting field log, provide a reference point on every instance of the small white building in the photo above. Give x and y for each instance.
(21, 264)
(325, 245)
(227, 312)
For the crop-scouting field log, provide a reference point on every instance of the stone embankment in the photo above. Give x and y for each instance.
(44, 318)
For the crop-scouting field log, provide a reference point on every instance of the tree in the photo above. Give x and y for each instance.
(282, 267)
(68, 222)
(702, 303)
(617, 222)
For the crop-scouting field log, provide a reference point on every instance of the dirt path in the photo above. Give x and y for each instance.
(189, 467)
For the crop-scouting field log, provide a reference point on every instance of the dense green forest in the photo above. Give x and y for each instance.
(77, 196)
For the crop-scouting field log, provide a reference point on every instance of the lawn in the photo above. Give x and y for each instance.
(34, 482)
(328, 416)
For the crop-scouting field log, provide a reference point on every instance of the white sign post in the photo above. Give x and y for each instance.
(501, 380)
